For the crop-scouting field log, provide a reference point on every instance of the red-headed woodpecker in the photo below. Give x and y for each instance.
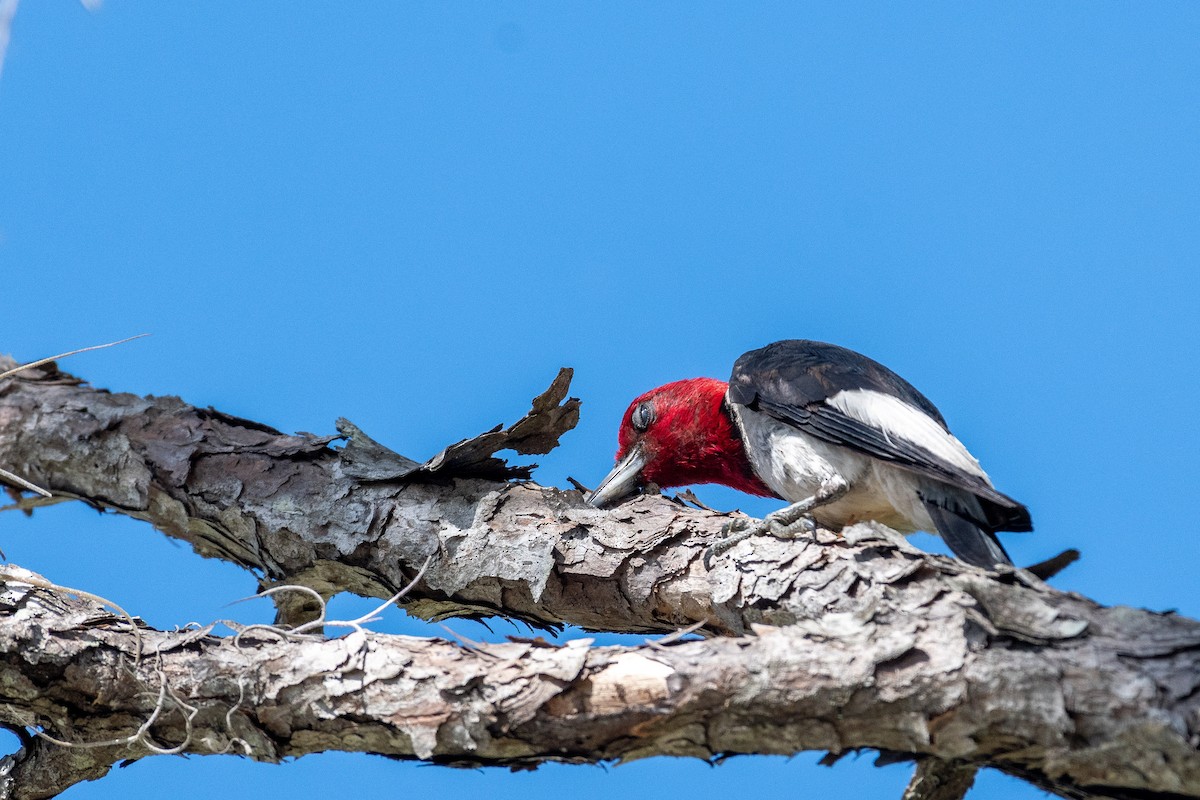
(841, 437)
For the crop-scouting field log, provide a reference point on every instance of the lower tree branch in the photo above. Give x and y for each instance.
(894, 683)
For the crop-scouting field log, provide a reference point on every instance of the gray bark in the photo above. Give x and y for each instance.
(850, 640)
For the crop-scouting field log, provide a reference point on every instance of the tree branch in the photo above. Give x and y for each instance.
(73, 668)
(879, 645)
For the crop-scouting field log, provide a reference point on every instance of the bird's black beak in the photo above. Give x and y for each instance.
(622, 481)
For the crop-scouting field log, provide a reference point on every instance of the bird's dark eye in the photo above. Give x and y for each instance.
(642, 416)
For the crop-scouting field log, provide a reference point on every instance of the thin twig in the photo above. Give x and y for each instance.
(246, 748)
(370, 616)
(24, 484)
(303, 630)
(47, 360)
(470, 644)
(661, 642)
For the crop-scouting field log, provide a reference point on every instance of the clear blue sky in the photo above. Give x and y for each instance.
(412, 214)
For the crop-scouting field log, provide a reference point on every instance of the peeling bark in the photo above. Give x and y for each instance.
(850, 640)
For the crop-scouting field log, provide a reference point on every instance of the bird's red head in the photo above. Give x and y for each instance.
(676, 435)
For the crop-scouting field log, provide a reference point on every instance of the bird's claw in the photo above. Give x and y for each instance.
(801, 527)
(738, 530)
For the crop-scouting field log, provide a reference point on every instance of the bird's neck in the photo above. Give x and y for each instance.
(707, 446)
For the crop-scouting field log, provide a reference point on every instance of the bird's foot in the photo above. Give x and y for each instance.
(781, 527)
(774, 524)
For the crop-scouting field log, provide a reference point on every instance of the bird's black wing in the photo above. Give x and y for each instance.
(792, 381)
(799, 372)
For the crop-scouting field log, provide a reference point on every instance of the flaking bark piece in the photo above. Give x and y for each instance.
(365, 459)
(537, 432)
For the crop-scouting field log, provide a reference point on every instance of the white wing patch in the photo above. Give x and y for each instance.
(894, 417)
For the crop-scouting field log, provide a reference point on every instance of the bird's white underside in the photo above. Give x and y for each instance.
(794, 464)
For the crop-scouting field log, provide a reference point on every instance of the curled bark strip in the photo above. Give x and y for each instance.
(536, 433)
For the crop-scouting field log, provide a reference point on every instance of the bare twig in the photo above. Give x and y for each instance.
(308, 627)
(48, 359)
(671, 638)
(24, 484)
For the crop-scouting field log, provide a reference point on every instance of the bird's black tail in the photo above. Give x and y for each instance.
(970, 542)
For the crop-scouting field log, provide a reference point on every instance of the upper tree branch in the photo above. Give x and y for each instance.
(294, 510)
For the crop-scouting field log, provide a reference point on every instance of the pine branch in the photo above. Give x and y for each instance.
(88, 677)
